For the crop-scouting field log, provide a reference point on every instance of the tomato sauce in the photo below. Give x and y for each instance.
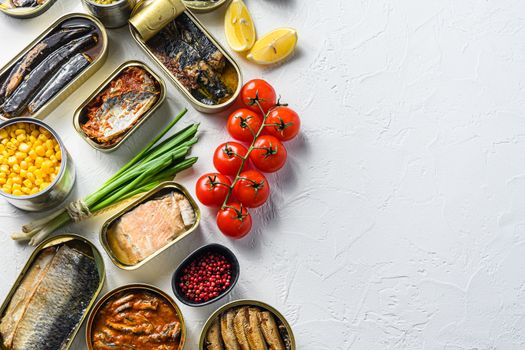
(136, 320)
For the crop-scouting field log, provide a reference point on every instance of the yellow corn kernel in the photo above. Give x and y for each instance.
(44, 185)
(32, 154)
(49, 144)
(20, 155)
(24, 164)
(38, 182)
(27, 183)
(30, 176)
(6, 188)
(40, 151)
(3, 180)
(17, 180)
(38, 173)
(21, 138)
(16, 187)
(3, 175)
(32, 139)
(11, 160)
(50, 153)
(32, 168)
(15, 168)
(58, 155)
(35, 190)
(20, 132)
(23, 173)
(26, 190)
(24, 147)
(47, 166)
(17, 192)
(3, 133)
(39, 161)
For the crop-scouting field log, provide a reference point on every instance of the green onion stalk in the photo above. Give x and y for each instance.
(157, 162)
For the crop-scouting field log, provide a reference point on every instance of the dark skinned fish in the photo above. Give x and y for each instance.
(37, 54)
(18, 101)
(58, 303)
(61, 78)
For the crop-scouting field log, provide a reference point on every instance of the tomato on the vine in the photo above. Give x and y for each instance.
(212, 189)
(258, 90)
(227, 158)
(283, 123)
(269, 154)
(243, 124)
(234, 220)
(252, 189)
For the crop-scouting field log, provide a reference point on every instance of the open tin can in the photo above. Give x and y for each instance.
(80, 114)
(25, 12)
(193, 59)
(97, 54)
(81, 245)
(112, 15)
(284, 330)
(161, 190)
(122, 292)
(204, 6)
(61, 186)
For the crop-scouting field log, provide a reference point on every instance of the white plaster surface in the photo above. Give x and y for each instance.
(398, 221)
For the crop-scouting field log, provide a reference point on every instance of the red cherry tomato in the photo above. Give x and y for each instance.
(252, 189)
(269, 154)
(212, 189)
(227, 158)
(243, 124)
(284, 123)
(234, 220)
(258, 90)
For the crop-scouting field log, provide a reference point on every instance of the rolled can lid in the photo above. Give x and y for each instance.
(150, 17)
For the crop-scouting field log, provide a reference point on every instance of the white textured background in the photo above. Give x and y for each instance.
(398, 221)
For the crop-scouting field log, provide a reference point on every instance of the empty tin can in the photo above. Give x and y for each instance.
(112, 15)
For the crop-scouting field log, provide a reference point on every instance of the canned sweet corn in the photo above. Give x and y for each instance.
(34, 175)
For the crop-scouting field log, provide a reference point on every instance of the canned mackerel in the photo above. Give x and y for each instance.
(196, 63)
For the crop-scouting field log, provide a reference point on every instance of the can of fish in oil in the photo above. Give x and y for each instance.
(122, 293)
(112, 14)
(282, 333)
(61, 186)
(211, 78)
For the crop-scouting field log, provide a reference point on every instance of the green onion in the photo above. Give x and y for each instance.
(155, 163)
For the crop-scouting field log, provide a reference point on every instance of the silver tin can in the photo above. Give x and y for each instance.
(59, 189)
(111, 15)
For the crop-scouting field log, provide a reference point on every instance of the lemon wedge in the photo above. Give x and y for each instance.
(274, 46)
(239, 28)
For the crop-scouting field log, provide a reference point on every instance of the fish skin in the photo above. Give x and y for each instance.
(253, 332)
(22, 295)
(58, 303)
(119, 109)
(36, 55)
(240, 324)
(270, 331)
(61, 78)
(19, 99)
(213, 336)
(228, 335)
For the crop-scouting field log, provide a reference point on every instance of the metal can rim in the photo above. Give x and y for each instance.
(141, 199)
(63, 150)
(100, 88)
(143, 286)
(241, 302)
(206, 9)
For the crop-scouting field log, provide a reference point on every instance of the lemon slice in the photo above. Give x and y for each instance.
(239, 28)
(274, 46)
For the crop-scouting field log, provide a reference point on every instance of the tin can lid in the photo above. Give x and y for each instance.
(149, 17)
